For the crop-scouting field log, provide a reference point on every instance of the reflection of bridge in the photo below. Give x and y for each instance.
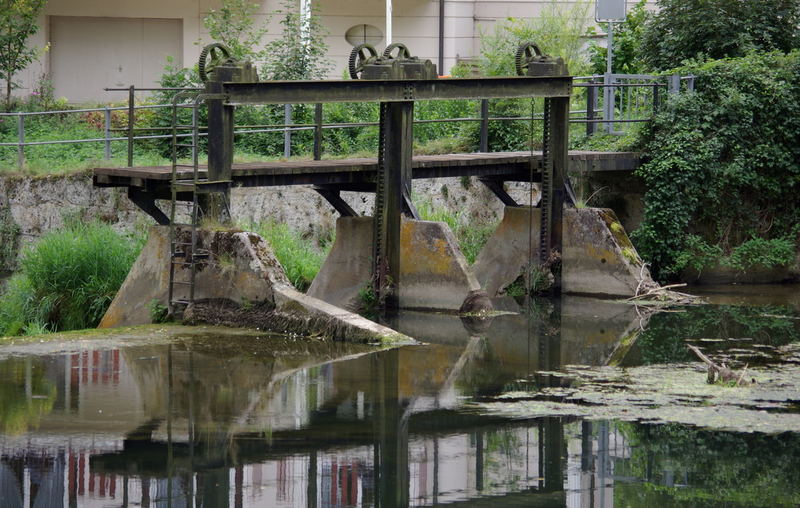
(247, 428)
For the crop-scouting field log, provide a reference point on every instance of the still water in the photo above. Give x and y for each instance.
(207, 417)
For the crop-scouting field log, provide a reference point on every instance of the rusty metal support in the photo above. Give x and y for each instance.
(220, 149)
(332, 196)
(147, 203)
(496, 186)
(374, 90)
(558, 154)
(393, 195)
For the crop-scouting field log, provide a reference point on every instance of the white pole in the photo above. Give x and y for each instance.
(388, 22)
(608, 92)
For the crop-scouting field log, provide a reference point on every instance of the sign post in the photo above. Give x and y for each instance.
(609, 11)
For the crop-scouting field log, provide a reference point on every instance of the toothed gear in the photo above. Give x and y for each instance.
(218, 52)
(525, 53)
(361, 55)
(402, 51)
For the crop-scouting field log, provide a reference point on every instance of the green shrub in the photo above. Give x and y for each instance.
(691, 29)
(67, 280)
(299, 257)
(722, 165)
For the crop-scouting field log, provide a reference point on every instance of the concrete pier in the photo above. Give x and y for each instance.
(242, 280)
(598, 258)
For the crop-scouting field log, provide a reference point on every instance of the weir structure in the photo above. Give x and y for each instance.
(408, 263)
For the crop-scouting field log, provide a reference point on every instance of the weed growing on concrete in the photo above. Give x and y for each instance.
(67, 280)
(300, 258)
(159, 313)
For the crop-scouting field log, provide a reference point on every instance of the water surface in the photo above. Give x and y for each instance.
(207, 417)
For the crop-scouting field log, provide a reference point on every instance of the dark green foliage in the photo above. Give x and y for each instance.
(722, 468)
(696, 29)
(19, 20)
(67, 280)
(723, 168)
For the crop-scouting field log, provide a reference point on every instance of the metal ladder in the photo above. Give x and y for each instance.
(184, 252)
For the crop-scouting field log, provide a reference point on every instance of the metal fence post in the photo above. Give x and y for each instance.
(287, 134)
(130, 125)
(107, 133)
(674, 83)
(591, 105)
(609, 100)
(484, 140)
(317, 131)
(690, 82)
(20, 141)
(656, 98)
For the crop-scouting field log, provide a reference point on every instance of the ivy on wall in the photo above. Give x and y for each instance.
(722, 168)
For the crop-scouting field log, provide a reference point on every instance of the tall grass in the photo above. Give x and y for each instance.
(300, 258)
(67, 280)
(471, 237)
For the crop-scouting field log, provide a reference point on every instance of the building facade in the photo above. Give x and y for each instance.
(95, 44)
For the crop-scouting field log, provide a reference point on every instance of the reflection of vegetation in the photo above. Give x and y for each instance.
(721, 467)
(17, 413)
(664, 339)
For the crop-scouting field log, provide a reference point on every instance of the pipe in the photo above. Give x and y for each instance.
(441, 37)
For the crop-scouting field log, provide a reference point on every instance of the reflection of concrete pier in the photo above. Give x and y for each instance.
(248, 429)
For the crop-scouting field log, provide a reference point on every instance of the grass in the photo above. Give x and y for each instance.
(67, 280)
(300, 258)
(471, 237)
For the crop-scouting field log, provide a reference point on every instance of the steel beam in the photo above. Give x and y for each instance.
(358, 90)
(331, 195)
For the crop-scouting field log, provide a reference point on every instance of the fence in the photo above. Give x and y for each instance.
(626, 99)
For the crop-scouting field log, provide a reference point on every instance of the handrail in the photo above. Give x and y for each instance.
(610, 84)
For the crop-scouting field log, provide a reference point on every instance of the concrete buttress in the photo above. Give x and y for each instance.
(241, 284)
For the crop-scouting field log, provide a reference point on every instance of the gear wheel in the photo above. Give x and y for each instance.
(210, 56)
(402, 51)
(361, 55)
(525, 53)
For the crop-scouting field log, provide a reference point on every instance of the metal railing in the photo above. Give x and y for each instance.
(611, 103)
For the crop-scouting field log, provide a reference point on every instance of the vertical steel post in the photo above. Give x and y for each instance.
(107, 133)
(395, 154)
(287, 133)
(317, 131)
(484, 141)
(656, 98)
(131, 120)
(559, 155)
(220, 145)
(20, 141)
(591, 105)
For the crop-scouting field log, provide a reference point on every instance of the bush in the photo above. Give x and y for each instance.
(691, 29)
(68, 280)
(722, 166)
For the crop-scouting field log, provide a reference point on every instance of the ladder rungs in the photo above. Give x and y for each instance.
(185, 145)
(182, 283)
(181, 302)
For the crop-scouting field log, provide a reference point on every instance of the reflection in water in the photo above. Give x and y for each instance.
(249, 423)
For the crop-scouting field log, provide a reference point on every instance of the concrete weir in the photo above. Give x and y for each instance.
(433, 272)
(597, 258)
(241, 284)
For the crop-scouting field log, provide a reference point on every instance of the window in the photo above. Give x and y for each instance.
(360, 34)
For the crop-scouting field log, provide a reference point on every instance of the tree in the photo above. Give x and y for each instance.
(18, 22)
(234, 25)
(691, 29)
(300, 52)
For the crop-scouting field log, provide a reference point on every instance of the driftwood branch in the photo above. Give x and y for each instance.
(717, 373)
